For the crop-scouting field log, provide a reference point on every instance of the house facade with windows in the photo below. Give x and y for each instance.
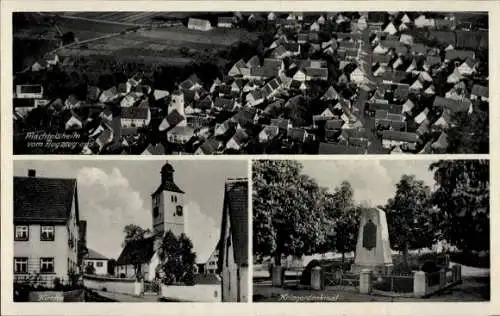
(199, 24)
(211, 264)
(29, 91)
(233, 242)
(46, 229)
(135, 117)
(97, 261)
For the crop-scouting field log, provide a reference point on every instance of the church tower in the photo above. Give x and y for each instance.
(177, 102)
(168, 205)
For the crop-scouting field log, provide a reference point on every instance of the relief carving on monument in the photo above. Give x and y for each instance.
(369, 235)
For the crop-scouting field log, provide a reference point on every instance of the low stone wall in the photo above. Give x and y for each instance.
(426, 284)
(116, 285)
(395, 284)
(446, 280)
(421, 284)
(57, 296)
(193, 293)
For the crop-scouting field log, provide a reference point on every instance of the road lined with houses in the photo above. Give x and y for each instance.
(375, 143)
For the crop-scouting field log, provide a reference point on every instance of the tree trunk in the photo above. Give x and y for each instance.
(405, 256)
(342, 262)
(277, 259)
(277, 271)
(138, 270)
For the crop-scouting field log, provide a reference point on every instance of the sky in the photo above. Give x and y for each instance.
(115, 193)
(373, 181)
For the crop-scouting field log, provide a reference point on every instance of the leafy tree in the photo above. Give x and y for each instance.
(462, 198)
(409, 216)
(288, 215)
(68, 38)
(299, 112)
(178, 259)
(343, 220)
(470, 133)
(347, 223)
(134, 232)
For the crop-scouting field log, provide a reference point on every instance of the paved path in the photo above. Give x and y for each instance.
(365, 56)
(74, 17)
(118, 297)
(82, 42)
(474, 272)
(90, 39)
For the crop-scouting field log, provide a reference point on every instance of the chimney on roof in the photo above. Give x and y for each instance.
(31, 173)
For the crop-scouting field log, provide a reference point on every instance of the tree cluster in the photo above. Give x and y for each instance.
(293, 215)
(177, 259)
(456, 211)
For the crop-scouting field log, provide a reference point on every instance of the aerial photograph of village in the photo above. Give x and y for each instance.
(204, 83)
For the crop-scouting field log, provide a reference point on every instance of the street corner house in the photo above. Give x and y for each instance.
(46, 229)
(233, 244)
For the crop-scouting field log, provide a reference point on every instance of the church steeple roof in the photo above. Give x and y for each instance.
(167, 180)
(167, 172)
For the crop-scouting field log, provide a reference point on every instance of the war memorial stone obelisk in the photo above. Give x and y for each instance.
(373, 249)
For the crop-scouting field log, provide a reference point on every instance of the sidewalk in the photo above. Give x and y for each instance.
(118, 297)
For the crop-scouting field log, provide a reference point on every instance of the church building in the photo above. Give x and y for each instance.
(167, 214)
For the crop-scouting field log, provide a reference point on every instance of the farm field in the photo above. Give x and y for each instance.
(159, 45)
(139, 18)
(82, 29)
(127, 55)
(215, 37)
(82, 25)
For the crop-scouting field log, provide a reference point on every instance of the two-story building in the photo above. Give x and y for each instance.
(210, 265)
(233, 243)
(46, 229)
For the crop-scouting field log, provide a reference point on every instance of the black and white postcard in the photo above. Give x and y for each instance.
(284, 157)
